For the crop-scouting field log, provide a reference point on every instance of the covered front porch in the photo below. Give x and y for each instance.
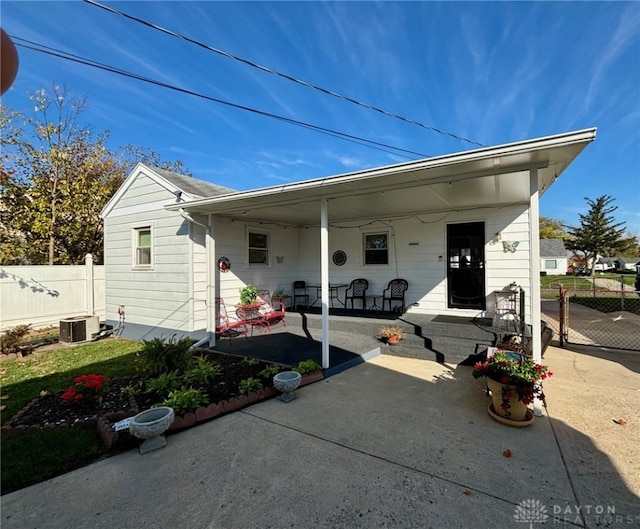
(444, 339)
(458, 227)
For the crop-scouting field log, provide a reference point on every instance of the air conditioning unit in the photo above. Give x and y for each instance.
(79, 328)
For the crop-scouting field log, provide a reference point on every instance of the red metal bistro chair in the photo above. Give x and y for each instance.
(226, 327)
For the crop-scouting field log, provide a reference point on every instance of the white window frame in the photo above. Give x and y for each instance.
(267, 234)
(135, 233)
(364, 247)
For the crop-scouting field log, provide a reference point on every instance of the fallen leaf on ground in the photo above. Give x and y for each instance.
(506, 453)
(621, 422)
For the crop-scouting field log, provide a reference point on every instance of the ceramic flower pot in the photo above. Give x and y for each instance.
(505, 402)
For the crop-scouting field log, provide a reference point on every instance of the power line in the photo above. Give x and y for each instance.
(88, 62)
(280, 74)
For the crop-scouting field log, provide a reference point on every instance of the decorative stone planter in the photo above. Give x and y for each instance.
(287, 382)
(150, 425)
(515, 412)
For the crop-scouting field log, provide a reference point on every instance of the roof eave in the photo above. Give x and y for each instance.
(500, 154)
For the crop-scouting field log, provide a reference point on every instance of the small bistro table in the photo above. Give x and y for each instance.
(333, 293)
(250, 314)
(374, 305)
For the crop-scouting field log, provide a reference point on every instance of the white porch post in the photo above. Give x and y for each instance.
(324, 279)
(534, 275)
(210, 245)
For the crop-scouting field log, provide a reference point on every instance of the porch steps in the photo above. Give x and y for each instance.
(451, 341)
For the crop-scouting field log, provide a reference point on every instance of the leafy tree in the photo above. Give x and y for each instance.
(628, 246)
(552, 229)
(598, 232)
(55, 178)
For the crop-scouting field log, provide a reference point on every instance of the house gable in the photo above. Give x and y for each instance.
(552, 248)
(181, 186)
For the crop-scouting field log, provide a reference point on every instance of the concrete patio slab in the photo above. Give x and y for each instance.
(393, 442)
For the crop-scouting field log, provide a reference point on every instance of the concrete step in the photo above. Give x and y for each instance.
(451, 342)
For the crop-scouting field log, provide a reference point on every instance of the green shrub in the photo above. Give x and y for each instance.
(161, 356)
(246, 361)
(307, 366)
(11, 338)
(133, 389)
(185, 400)
(269, 372)
(164, 383)
(202, 372)
(249, 384)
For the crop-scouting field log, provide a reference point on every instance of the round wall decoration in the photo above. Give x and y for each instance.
(224, 264)
(339, 258)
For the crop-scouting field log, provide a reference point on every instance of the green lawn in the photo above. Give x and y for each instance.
(31, 458)
(581, 282)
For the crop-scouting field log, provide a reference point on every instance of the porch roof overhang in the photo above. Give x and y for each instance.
(488, 177)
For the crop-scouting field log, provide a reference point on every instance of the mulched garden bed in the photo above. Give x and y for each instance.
(117, 402)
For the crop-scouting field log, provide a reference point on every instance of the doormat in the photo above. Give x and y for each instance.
(445, 318)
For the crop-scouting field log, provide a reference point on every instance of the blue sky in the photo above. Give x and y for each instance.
(489, 72)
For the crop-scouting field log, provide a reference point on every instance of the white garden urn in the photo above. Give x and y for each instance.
(150, 425)
(286, 382)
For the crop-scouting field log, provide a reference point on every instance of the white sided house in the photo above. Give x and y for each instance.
(553, 257)
(457, 227)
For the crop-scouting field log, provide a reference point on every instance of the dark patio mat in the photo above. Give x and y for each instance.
(446, 318)
(284, 348)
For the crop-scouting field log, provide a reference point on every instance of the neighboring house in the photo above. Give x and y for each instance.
(625, 262)
(553, 256)
(457, 227)
(616, 264)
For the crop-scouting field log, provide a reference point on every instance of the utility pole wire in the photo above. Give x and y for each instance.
(88, 62)
(280, 74)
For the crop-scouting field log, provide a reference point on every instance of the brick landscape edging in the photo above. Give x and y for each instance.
(104, 423)
(210, 412)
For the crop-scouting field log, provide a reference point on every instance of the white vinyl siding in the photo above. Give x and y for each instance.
(417, 253)
(158, 296)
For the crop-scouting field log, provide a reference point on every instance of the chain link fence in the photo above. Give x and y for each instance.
(605, 314)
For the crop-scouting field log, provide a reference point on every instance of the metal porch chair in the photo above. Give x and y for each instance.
(395, 292)
(300, 292)
(226, 327)
(274, 311)
(357, 290)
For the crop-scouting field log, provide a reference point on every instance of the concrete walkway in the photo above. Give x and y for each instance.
(393, 442)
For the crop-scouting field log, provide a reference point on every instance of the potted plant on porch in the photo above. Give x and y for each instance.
(514, 381)
(391, 335)
(248, 295)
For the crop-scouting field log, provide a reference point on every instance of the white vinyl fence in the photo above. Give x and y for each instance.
(44, 295)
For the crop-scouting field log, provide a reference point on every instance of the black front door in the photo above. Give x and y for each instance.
(465, 266)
